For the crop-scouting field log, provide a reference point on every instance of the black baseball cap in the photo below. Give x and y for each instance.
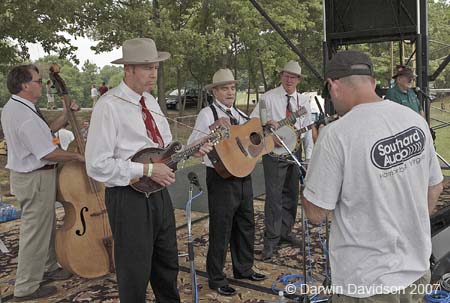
(345, 64)
(404, 71)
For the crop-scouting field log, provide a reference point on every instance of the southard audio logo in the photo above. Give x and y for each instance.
(396, 150)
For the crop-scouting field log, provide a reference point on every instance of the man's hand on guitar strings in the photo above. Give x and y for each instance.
(162, 174)
(222, 121)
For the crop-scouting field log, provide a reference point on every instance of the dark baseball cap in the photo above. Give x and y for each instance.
(404, 71)
(345, 64)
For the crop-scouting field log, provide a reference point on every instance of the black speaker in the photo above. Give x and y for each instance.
(351, 21)
(440, 239)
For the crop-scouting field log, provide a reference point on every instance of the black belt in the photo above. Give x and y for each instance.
(48, 166)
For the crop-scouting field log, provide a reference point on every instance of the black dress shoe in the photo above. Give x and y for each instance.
(291, 239)
(254, 277)
(267, 253)
(41, 292)
(226, 290)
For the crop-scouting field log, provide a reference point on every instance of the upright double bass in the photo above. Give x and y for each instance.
(84, 242)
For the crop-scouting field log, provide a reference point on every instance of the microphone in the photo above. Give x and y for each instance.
(263, 112)
(419, 90)
(193, 178)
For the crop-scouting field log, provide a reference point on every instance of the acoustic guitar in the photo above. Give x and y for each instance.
(170, 156)
(238, 153)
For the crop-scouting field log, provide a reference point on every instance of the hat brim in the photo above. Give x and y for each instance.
(397, 75)
(212, 85)
(162, 56)
(280, 70)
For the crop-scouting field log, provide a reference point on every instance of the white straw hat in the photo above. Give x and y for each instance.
(293, 67)
(221, 77)
(140, 51)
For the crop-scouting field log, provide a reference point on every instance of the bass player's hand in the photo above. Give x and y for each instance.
(162, 174)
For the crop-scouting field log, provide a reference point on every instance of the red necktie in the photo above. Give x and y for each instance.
(288, 106)
(152, 129)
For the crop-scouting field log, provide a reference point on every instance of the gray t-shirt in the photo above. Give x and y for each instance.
(373, 167)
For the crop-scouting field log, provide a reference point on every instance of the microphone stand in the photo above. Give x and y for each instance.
(443, 160)
(301, 171)
(190, 243)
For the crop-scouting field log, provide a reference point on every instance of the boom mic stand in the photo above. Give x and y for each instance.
(190, 243)
(301, 171)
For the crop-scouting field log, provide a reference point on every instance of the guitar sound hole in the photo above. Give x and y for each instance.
(255, 138)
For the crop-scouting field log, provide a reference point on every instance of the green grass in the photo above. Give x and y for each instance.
(442, 141)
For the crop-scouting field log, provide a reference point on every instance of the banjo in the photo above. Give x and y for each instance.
(291, 136)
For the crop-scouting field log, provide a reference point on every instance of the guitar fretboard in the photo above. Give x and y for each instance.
(292, 118)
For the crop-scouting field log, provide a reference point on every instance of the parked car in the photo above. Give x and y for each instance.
(173, 101)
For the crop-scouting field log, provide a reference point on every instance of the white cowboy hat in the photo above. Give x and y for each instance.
(292, 67)
(140, 51)
(221, 77)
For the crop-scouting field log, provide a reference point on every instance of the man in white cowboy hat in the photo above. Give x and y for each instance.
(230, 201)
(124, 121)
(281, 176)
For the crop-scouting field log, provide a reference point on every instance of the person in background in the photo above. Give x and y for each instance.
(402, 92)
(85, 130)
(103, 89)
(380, 190)
(94, 95)
(49, 94)
(32, 159)
(282, 177)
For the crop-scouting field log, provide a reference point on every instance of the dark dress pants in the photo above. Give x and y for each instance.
(282, 188)
(145, 244)
(231, 221)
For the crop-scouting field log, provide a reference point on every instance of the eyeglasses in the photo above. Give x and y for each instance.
(39, 81)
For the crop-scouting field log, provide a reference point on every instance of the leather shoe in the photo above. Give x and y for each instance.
(254, 277)
(267, 253)
(226, 290)
(57, 275)
(291, 239)
(41, 292)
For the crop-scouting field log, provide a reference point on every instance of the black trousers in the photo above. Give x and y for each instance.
(282, 188)
(145, 244)
(231, 221)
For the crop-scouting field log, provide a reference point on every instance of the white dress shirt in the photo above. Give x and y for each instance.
(205, 118)
(117, 132)
(28, 137)
(276, 102)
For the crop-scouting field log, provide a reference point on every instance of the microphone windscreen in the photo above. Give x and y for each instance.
(263, 111)
(192, 176)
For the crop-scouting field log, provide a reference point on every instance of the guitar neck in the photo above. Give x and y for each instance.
(188, 151)
(305, 129)
(325, 121)
(291, 120)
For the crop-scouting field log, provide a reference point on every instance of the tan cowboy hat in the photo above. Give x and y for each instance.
(140, 51)
(292, 67)
(221, 77)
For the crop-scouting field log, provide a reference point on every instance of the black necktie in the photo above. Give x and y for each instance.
(39, 113)
(233, 120)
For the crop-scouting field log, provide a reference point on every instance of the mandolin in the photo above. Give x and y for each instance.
(170, 156)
